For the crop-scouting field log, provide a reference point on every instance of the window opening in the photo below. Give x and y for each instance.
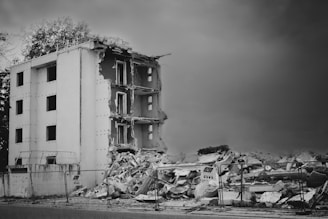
(19, 161)
(51, 103)
(120, 73)
(150, 102)
(20, 79)
(51, 73)
(150, 77)
(19, 135)
(150, 132)
(121, 103)
(51, 133)
(51, 160)
(122, 135)
(19, 107)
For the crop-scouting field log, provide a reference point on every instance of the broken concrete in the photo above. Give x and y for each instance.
(216, 177)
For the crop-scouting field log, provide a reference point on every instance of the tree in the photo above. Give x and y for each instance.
(4, 105)
(3, 43)
(50, 36)
(4, 119)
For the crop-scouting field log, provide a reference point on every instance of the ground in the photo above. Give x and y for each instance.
(170, 207)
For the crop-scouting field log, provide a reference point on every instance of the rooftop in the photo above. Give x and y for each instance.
(97, 44)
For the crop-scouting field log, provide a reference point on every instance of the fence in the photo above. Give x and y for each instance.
(63, 180)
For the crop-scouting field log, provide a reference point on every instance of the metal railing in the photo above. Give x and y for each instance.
(40, 157)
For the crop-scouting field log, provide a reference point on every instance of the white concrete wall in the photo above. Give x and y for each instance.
(49, 179)
(103, 122)
(81, 116)
(34, 107)
(68, 102)
(20, 185)
(22, 120)
(46, 180)
(95, 118)
(36, 118)
(41, 117)
(88, 116)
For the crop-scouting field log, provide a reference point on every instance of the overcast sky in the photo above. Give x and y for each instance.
(248, 73)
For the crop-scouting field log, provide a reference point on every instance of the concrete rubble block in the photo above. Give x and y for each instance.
(206, 189)
(297, 201)
(307, 196)
(181, 182)
(181, 172)
(179, 190)
(262, 188)
(225, 161)
(118, 185)
(316, 179)
(230, 196)
(252, 161)
(79, 192)
(270, 197)
(101, 192)
(278, 186)
(208, 158)
(147, 181)
(148, 198)
(305, 157)
(282, 201)
(321, 196)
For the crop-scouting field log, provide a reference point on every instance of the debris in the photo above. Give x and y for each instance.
(208, 158)
(206, 189)
(307, 196)
(148, 198)
(316, 179)
(270, 197)
(230, 196)
(267, 180)
(263, 187)
(79, 192)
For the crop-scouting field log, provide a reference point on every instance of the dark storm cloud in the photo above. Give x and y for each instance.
(270, 92)
(248, 73)
(293, 109)
(299, 21)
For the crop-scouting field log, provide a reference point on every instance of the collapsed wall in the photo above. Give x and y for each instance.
(222, 175)
(136, 117)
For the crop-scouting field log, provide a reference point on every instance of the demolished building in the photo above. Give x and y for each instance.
(219, 177)
(70, 106)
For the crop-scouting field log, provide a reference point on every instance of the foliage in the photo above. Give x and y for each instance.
(4, 119)
(3, 43)
(50, 36)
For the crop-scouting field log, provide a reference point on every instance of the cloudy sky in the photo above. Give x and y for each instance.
(248, 73)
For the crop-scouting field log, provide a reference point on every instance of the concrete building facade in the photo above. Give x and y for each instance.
(71, 106)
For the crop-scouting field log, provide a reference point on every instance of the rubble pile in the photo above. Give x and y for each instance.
(128, 175)
(257, 179)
